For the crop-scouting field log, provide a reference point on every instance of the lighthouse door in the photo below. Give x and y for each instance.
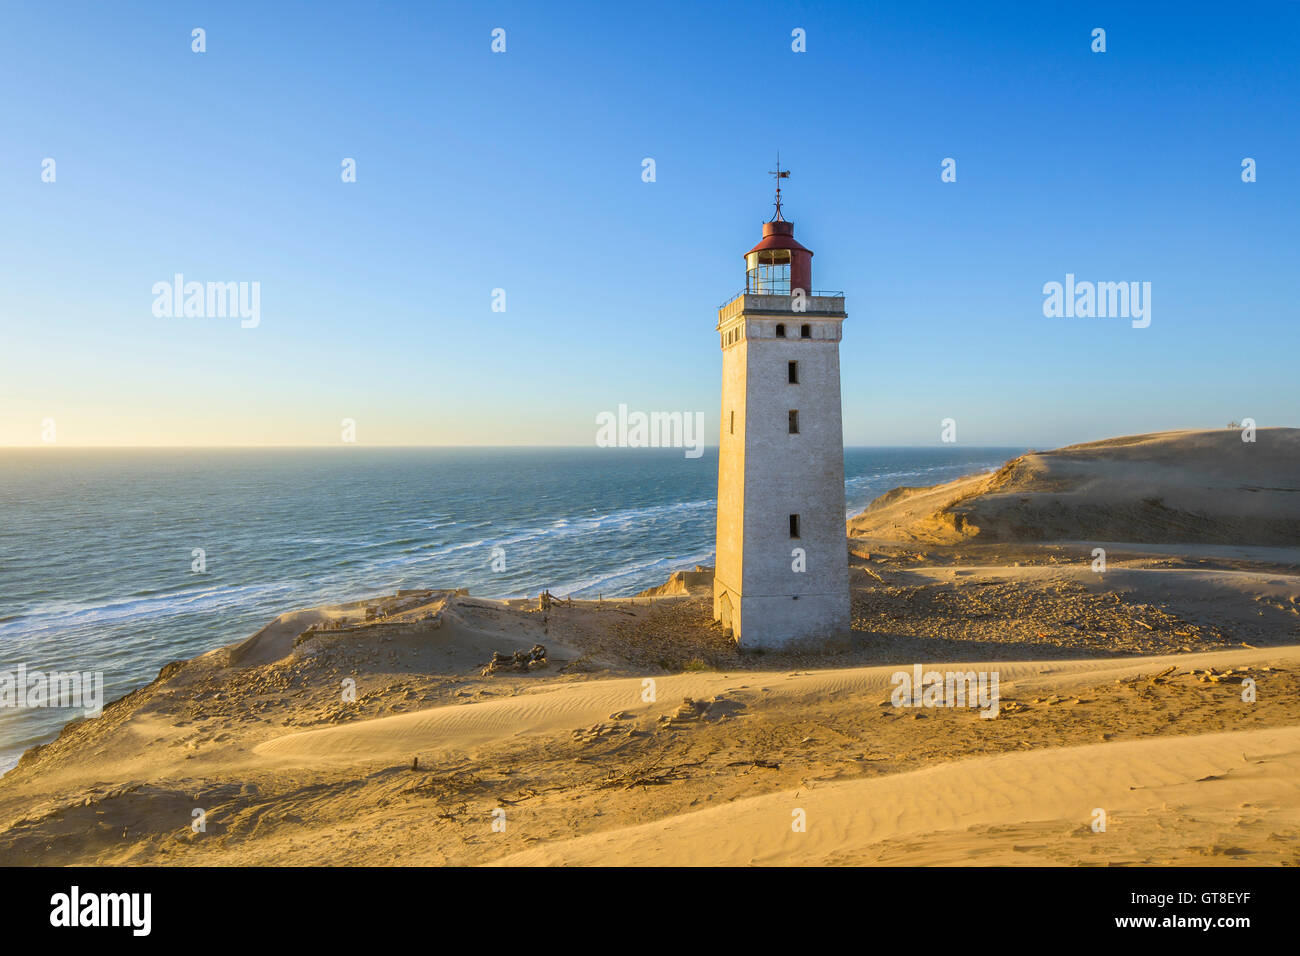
(724, 612)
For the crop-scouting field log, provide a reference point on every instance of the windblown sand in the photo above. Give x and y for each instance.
(1122, 694)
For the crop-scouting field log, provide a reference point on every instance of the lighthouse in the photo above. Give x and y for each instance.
(781, 577)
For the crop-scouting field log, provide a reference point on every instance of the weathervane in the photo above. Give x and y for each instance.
(780, 174)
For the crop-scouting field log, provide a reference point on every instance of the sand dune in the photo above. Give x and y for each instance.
(1187, 487)
(276, 640)
(592, 772)
(561, 711)
(465, 726)
(943, 814)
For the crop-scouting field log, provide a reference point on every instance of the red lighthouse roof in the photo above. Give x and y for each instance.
(779, 234)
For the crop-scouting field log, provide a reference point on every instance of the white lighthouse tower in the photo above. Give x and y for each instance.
(782, 574)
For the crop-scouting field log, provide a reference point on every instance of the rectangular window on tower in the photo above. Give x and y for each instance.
(794, 422)
(733, 423)
(794, 526)
(794, 373)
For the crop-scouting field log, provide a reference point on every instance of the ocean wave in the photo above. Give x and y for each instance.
(63, 615)
(949, 468)
(636, 576)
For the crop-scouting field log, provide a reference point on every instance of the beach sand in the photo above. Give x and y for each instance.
(648, 738)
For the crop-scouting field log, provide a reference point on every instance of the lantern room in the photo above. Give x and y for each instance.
(778, 264)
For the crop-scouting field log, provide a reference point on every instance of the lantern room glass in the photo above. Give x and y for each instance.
(768, 272)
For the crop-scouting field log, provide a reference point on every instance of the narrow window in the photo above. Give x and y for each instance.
(794, 422)
(794, 373)
(805, 331)
(733, 423)
(780, 331)
(794, 526)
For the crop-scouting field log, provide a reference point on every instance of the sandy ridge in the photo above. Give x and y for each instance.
(564, 709)
(944, 807)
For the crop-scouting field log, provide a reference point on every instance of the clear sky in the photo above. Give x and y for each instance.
(522, 171)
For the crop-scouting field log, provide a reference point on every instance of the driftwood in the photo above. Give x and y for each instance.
(518, 661)
(650, 774)
(546, 600)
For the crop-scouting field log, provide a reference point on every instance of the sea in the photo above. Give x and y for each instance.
(119, 561)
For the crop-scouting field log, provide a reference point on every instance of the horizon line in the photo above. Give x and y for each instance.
(353, 445)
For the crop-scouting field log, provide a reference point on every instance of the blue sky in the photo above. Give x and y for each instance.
(522, 170)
